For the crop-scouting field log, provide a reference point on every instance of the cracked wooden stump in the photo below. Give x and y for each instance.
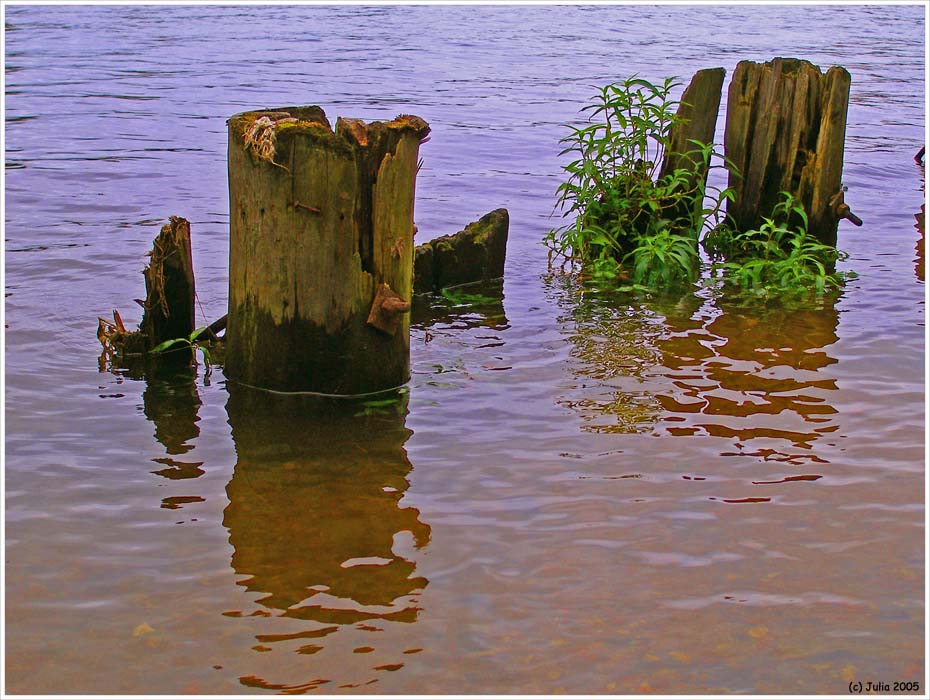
(169, 285)
(321, 233)
(785, 131)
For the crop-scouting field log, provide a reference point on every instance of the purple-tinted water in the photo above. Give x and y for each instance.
(581, 493)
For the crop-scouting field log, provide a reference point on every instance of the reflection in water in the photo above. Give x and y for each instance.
(172, 404)
(616, 343)
(920, 259)
(314, 514)
(469, 306)
(704, 365)
(752, 373)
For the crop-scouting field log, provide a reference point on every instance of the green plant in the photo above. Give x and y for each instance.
(629, 219)
(192, 342)
(778, 257)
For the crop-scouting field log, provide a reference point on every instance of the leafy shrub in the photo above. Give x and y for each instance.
(778, 256)
(632, 223)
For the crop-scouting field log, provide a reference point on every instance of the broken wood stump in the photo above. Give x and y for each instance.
(785, 132)
(696, 121)
(320, 221)
(476, 253)
(168, 310)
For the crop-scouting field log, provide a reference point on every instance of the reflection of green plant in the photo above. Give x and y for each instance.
(460, 298)
(628, 222)
(192, 342)
(389, 406)
(779, 256)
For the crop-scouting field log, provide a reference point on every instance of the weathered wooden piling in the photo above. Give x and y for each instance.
(785, 132)
(321, 228)
(168, 310)
(696, 121)
(473, 254)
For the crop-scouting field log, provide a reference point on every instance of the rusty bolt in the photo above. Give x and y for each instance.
(395, 305)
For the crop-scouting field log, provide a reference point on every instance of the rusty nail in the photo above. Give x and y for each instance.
(312, 210)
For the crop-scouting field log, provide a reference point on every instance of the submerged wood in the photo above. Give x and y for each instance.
(476, 253)
(785, 132)
(319, 220)
(696, 122)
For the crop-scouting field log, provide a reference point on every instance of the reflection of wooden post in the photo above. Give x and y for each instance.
(319, 221)
(315, 500)
(785, 131)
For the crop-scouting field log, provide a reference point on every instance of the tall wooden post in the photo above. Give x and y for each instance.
(785, 132)
(321, 250)
(696, 121)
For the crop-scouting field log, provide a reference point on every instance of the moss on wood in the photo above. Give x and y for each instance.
(476, 253)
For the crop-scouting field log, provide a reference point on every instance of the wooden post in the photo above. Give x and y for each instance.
(476, 253)
(169, 285)
(321, 222)
(697, 121)
(785, 131)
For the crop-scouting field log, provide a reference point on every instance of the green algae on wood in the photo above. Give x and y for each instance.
(313, 235)
(476, 253)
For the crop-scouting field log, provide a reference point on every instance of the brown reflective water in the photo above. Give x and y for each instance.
(314, 518)
(578, 491)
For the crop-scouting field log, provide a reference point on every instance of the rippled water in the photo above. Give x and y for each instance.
(582, 492)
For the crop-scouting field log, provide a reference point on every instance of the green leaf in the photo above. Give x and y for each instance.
(161, 347)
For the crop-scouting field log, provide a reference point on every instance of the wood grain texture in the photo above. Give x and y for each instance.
(696, 121)
(169, 285)
(312, 234)
(785, 132)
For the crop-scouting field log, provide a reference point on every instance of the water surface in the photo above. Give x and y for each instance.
(581, 492)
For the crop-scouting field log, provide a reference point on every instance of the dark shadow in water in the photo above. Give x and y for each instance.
(702, 364)
(314, 514)
(172, 403)
(469, 306)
